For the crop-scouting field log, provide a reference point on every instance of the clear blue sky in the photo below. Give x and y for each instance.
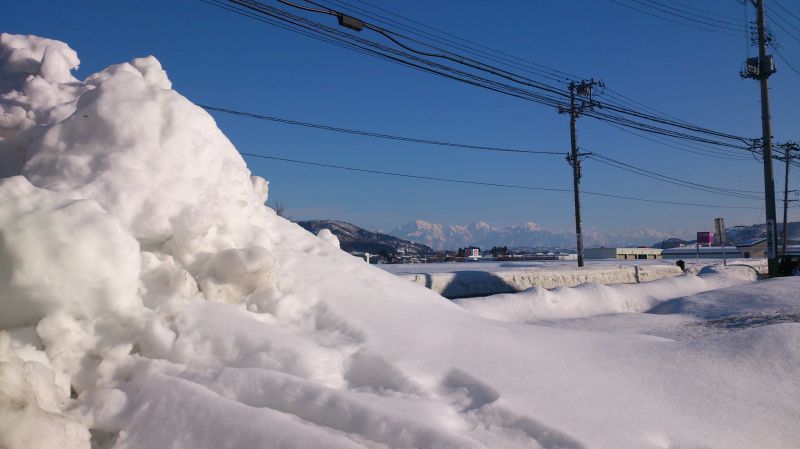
(218, 58)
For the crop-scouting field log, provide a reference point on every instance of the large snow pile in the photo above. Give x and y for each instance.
(148, 299)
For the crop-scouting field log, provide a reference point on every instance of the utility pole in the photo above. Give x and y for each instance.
(787, 147)
(761, 68)
(584, 90)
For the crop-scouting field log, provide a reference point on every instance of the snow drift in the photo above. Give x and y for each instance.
(149, 299)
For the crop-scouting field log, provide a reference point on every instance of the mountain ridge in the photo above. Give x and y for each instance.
(353, 238)
(529, 234)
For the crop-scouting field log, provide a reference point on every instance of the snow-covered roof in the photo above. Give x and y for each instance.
(750, 242)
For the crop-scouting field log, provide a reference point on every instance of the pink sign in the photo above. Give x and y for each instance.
(705, 238)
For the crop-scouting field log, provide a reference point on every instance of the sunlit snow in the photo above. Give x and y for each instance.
(149, 299)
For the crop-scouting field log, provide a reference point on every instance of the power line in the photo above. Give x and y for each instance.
(668, 19)
(785, 20)
(620, 97)
(731, 24)
(706, 152)
(705, 12)
(745, 194)
(785, 9)
(374, 134)
(487, 184)
(494, 54)
(391, 54)
(602, 159)
(785, 30)
(513, 77)
(467, 77)
(433, 142)
(786, 60)
(561, 74)
(470, 78)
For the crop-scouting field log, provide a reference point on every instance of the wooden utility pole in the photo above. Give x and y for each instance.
(765, 66)
(584, 90)
(788, 147)
(761, 68)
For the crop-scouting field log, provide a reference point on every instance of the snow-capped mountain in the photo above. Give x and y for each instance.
(354, 238)
(440, 236)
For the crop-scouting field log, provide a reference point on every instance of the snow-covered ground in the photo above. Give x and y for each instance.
(149, 300)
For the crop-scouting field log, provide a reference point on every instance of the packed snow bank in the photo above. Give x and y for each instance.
(61, 254)
(150, 299)
(595, 299)
(471, 283)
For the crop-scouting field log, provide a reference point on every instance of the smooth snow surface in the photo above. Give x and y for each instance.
(597, 299)
(148, 299)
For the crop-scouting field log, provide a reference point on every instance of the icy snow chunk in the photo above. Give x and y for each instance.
(31, 406)
(35, 88)
(327, 236)
(60, 254)
(164, 280)
(33, 55)
(144, 152)
(148, 68)
(233, 274)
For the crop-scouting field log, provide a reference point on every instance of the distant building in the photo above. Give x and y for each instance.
(704, 252)
(472, 253)
(755, 248)
(623, 253)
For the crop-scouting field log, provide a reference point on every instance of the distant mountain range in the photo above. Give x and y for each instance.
(739, 233)
(352, 238)
(421, 237)
(528, 235)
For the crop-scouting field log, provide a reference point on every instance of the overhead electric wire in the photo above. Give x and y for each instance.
(497, 86)
(785, 9)
(787, 61)
(706, 12)
(607, 104)
(620, 98)
(631, 102)
(791, 34)
(532, 68)
(377, 135)
(600, 158)
(707, 152)
(542, 67)
(436, 142)
(490, 184)
(418, 63)
(732, 25)
(394, 55)
(324, 11)
(311, 28)
(739, 193)
(438, 68)
(668, 19)
(296, 29)
(785, 20)
(439, 52)
(624, 121)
